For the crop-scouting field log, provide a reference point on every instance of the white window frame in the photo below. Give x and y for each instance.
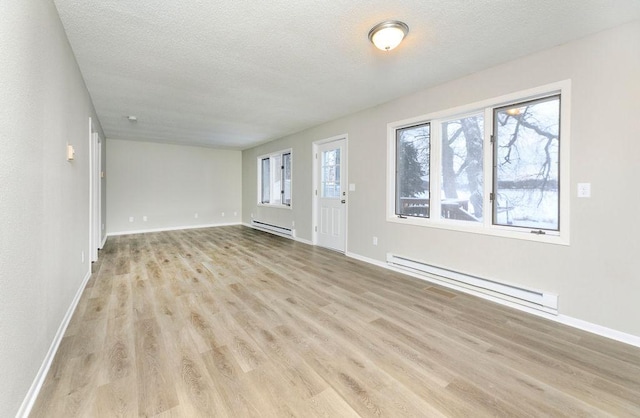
(486, 227)
(274, 170)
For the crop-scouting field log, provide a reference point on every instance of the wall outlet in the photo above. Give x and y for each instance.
(252, 216)
(293, 224)
(223, 214)
(375, 240)
(130, 218)
(82, 256)
(103, 227)
(195, 215)
(144, 219)
(235, 213)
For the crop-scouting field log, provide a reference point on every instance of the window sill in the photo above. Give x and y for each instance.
(267, 205)
(550, 237)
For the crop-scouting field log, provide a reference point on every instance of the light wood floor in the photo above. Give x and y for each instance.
(234, 322)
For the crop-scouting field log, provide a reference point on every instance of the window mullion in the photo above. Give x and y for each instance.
(282, 179)
(488, 171)
(435, 171)
(274, 193)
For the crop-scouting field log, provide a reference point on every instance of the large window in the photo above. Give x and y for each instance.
(274, 179)
(495, 167)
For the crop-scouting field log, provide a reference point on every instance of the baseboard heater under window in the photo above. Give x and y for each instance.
(278, 230)
(544, 301)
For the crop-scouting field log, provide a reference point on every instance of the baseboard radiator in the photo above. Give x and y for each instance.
(275, 229)
(544, 301)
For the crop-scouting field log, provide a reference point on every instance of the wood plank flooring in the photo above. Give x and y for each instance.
(233, 322)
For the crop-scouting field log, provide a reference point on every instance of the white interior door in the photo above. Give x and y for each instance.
(331, 195)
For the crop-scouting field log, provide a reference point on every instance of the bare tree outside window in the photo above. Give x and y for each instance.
(462, 180)
(526, 160)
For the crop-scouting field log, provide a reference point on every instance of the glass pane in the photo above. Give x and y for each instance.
(330, 182)
(266, 181)
(276, 179)
(412, 170)
(286, 162)
(527, 164)
(461, 181)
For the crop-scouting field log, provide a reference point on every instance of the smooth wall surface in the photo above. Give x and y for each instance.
(596, 276)
(44, 199)
(169, 184)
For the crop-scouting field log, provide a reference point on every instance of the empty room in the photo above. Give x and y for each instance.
(319, 209)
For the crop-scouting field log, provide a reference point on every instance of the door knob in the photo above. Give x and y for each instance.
(343, 201)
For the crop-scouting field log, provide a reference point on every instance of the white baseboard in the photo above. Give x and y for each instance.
(563, 319)
(599, 330)
(367, 259)
(293, 236)
(302, 240)
(104, 241)
(169, 228)
(34, 390)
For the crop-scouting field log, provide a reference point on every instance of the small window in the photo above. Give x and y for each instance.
(330, 174)
(526, 164)
(412, 171)
(274, 179)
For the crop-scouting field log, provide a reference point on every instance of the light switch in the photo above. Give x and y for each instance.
(71, 153)
(584, 189)
(352, 187)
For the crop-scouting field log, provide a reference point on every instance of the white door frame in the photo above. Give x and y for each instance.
(316, 186)
(95, 193)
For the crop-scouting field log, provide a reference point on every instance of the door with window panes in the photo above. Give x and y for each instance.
(331, 191)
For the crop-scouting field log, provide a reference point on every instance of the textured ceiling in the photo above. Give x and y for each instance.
(234, 73)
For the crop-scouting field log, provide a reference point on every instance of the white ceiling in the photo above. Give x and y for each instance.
(234, 73)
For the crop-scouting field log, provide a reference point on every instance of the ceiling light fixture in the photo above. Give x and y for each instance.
(388, 34)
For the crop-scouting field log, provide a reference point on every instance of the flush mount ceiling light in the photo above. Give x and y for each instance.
(388, 34)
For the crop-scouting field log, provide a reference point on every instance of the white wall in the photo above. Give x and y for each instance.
(44, 200)
(596, 276)
(169, 184)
